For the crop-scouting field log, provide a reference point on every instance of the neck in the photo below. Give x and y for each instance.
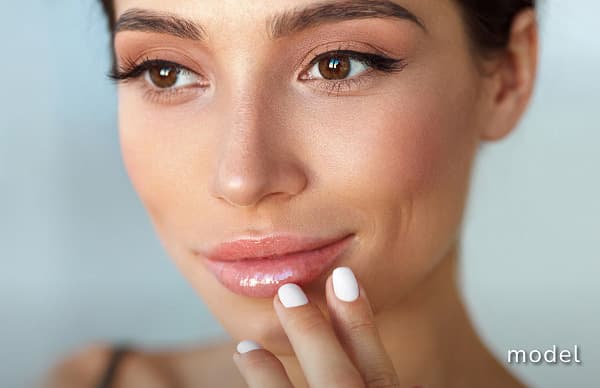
(430, 339)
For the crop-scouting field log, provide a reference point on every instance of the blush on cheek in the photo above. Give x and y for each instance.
(432, 142)
(411, 151)
(425, 153)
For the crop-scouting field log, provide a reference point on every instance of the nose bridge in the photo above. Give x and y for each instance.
(252, 161)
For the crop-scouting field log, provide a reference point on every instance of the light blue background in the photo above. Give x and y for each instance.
(79, 260)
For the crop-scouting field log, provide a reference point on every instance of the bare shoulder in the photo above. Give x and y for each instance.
(190, 366)
(207, 365)
(80, 368)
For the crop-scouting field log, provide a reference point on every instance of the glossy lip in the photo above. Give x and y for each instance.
(258, 267)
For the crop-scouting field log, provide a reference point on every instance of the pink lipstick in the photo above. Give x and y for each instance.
(258, 267)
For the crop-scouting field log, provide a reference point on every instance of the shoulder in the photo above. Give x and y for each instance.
(82, 367)
(176, 367)
(208, 365)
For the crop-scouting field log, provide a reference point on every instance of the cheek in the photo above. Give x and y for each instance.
(140, 157)
(379, 152)
(405, 166)
(155, 148)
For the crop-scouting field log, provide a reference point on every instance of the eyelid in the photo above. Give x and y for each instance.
(350, 53)
(341, 46)
(127, 58)
(373, 62)
(139, 71)
(377, 58)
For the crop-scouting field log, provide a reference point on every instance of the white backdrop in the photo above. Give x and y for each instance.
(79, 260)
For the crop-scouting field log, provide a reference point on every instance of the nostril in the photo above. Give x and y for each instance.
(248, 191)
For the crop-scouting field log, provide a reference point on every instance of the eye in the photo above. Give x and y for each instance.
(169, 76)
(336, 67)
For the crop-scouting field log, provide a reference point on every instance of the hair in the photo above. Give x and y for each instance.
(488, 22)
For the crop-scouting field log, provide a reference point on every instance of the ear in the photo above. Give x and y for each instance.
(513, 77)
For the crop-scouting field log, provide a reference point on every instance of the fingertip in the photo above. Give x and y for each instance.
(291, 295)
(345, 284)
(246, 346)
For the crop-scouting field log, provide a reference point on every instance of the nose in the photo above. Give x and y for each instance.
(254, 161)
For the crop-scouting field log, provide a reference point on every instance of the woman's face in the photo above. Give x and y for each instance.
(258, 138)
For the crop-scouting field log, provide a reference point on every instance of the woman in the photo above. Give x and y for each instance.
(306, 165)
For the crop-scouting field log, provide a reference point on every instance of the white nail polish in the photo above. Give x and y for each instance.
(247, 345)
(345, 286)
(291, 295)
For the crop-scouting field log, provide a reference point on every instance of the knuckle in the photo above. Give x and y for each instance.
(309, 323)
(361, 326)
(383, 379)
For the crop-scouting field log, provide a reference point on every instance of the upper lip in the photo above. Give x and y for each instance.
(267, 246)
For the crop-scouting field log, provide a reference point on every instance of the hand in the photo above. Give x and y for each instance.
(347, 354)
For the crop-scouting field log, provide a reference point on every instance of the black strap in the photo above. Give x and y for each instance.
(113, 363)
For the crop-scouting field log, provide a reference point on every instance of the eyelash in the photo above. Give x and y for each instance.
(376, 62)
(131, 70)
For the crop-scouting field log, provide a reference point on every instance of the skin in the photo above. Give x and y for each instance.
(389, 159)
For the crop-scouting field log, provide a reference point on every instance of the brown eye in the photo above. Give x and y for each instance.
(164, 76)
(334, 67)
(172, 76)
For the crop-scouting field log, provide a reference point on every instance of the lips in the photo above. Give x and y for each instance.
(258, 267)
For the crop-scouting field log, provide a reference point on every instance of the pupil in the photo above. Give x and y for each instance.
(164, 77)
(334, 67)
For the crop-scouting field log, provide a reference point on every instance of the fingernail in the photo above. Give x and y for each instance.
(291, 295)
(345, 285)
(247, 345)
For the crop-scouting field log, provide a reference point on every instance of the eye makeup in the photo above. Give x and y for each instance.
(161, 76)
(371, 63)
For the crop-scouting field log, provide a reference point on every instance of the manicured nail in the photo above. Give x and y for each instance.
(247, 345)
(345, 286)
(291, 295)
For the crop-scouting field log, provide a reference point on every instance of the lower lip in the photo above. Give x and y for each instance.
(260, 278)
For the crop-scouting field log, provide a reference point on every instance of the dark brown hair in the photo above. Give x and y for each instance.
(488, 22)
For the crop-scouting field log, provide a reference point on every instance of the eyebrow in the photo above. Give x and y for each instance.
(328, 12)
(279, 25)
(136, 19)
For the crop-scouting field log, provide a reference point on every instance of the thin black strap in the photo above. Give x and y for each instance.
(113, 363)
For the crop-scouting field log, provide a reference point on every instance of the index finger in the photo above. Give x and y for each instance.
(320, 354)
(354, 324)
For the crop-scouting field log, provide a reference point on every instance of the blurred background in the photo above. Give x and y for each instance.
(79, 260)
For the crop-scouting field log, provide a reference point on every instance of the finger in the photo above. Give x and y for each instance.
(259, 367)
(321, 356)
(354, 324)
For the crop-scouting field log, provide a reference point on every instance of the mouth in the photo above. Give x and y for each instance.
(258, 267)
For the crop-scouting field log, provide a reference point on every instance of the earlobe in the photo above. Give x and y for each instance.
(514, 77)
